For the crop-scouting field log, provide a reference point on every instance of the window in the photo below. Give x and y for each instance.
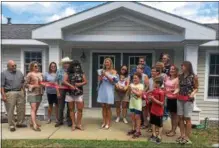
(213, 77)
(30, 56)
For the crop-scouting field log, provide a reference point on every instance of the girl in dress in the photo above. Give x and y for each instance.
(136, 88)
(35, 92)
(108, 78)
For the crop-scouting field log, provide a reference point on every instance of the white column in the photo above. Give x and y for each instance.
(55, 53)
(191, 54)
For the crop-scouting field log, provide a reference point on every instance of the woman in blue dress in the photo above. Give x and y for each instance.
(107, 78)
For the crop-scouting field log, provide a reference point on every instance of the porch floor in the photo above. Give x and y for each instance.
(91, 122)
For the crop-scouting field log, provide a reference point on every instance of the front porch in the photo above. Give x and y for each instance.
(91, 121)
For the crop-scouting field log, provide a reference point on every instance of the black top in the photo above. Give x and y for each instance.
(186, 84)
(76, 78)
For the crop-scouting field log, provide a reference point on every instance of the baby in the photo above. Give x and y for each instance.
(121, 84)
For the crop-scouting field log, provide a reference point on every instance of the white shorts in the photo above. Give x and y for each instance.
(69, 98)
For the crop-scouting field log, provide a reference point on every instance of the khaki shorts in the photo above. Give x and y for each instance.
(184, 108)
(69, 98)
(121, 96)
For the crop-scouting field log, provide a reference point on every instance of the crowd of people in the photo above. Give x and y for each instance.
(150, 94)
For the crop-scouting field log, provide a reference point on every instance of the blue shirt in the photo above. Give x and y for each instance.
(147, 71)
(50, 78)
(60, 76)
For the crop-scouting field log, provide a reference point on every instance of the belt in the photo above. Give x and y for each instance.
(7, 90)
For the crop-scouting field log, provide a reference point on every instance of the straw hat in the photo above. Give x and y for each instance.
(66, 60)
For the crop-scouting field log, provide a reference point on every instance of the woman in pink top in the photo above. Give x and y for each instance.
(170, 85)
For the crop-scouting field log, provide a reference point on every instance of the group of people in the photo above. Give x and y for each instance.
(151, 94)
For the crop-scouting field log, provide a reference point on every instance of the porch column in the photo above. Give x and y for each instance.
(191, 54)
(55, 53)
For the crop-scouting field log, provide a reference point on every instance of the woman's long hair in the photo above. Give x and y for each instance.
(189, 67)
(126, 73)
(111, 63)
(50, 70)
(75, 66)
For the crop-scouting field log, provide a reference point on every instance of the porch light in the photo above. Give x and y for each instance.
(83, 57)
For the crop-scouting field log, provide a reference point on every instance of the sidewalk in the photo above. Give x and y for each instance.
(91, 123)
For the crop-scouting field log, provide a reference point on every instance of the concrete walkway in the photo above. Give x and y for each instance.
(91, 123)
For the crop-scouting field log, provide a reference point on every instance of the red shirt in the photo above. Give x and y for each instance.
(157, 109)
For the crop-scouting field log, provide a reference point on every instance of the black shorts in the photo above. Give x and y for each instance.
(172, 105)
(52, 99)
(156, 120)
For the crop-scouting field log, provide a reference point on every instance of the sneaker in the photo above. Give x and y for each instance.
(152, 138)
(125, 121)
(12, 129)
(158, 140)
(117, 119)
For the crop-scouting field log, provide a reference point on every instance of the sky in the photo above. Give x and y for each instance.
(44, 12)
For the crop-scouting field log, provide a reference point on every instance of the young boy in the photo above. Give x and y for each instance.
(156, 115)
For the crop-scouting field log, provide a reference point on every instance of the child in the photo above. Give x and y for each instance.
(157, 98)
(121, 84)
(135, 105)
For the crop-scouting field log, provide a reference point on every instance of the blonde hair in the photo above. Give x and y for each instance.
(111, 63)
(31, 65)
(159, 66)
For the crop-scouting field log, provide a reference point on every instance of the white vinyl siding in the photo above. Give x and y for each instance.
(208, 108)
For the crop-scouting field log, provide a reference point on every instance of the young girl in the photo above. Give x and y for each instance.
(157, 98)
(135, 105)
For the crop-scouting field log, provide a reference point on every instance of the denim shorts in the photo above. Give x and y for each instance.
(138, 112)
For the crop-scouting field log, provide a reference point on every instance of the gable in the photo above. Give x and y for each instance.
(122, 26)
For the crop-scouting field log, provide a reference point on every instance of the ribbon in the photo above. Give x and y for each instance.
(54, 85)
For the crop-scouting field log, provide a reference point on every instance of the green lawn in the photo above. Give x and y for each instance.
(200, 138)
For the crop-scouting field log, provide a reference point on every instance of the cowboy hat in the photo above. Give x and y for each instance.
(66, 60)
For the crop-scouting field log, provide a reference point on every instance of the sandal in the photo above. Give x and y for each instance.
(107, 127)
(79, 127)
(103, 125)
(171, 134)
(149, 130)
(168, 132)
(184, 141)
(179, 139)
(73, 128)
(131, 132)
(36, 128)
(136, 135)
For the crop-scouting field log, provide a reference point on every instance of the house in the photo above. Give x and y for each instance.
(123, 31)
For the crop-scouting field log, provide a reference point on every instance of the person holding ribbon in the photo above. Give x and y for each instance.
(187, 88)
(170, 85)
(51, 91)
(75, 79)
(35, 92)
(107, 77)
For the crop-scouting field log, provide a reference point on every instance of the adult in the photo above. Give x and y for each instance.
(170, 85)
(147, 69)
(121, 95)
(50, 76)
(35, 92)
(165, 59)
(75, 79)
(107, 77)
(187, 88)
(13, 95)
(65, 62)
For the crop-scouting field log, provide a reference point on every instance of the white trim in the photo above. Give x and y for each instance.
(207, 56)
(211, 44)
(43, 50)
(112, 51)
(22, 42)
(214, 119)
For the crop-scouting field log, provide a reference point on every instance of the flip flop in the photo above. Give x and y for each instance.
(171, 135)
(80, 127)
(73, 128)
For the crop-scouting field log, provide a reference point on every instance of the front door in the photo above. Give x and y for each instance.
(98, 59)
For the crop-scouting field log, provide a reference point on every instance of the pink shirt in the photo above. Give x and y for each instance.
(170, 85)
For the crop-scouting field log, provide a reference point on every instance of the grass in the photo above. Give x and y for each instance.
(200, 138)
